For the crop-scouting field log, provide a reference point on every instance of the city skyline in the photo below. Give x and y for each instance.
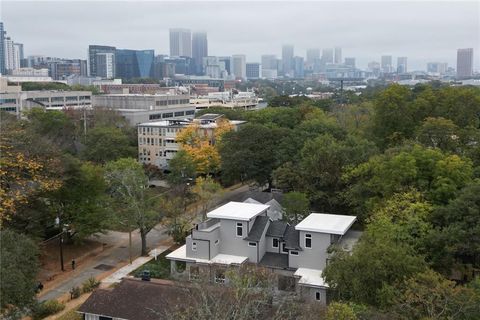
(429, 39)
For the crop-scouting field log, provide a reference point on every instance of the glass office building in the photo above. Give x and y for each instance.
(131, 64)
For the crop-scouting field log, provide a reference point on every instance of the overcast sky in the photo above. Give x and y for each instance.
(422, 31)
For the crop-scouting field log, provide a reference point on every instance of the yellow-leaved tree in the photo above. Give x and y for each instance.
(201, 142)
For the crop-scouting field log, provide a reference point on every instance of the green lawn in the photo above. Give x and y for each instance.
(159, 269)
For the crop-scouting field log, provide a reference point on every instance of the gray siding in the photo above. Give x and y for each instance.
(314, 258)
(263, 243)
(202, 251)
(211, 236)
(230, 243)
(269, 245)
(310, 294)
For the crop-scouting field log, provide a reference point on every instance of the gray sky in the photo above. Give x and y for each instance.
(423, 31)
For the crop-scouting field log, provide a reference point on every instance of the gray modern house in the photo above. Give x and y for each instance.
(240, 233)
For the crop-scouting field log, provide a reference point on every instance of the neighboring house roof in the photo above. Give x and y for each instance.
(262, 197)
(292, 238)
(250, 200)
(134, 299)
(275, 212)
(326, 223)
(258, 228)
(238, 211)
(277, 229)
(310, 277)
(275, 260)
(181, 255)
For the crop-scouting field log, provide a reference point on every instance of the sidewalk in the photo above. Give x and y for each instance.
(125, 271)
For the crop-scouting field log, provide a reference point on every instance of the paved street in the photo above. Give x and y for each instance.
(110, 258)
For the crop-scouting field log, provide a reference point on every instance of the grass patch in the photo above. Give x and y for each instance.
(159, 269)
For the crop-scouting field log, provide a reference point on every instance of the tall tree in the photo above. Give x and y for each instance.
(206, 189)
(18, 270)
(129, 185)
(107, 144)
(296, 206)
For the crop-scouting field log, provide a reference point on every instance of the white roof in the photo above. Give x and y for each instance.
(310, 277)
(238, 211)
(227, 259)
(326, 223)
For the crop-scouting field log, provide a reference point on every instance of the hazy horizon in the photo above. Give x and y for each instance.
(422, 31)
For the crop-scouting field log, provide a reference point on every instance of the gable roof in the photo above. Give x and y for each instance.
(326, 223)
(238, 211)
(262, 197)
(292, 238)
(258, 228)
(277, 229)
(134, 299)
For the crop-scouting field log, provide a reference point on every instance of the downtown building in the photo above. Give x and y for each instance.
(181, 42)
(287, 60)
(130, 64)
(464, 63)
(199, 50)
(269, 66)
(239, 66)
(252, 70)
(103, 55)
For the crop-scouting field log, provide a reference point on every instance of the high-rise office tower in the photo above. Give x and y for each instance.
(2, 49)
(464, 63)
(298, 68)
(199, 50)
(350, 62)
(287, 60)
(253, 70)
(180, 42)
(338, 55)
(437, 67)
(401, 64)
(9, 51)
(269, 61)
(386, 64)
(105, 64)
(93, 50)
(313, 55)
(327, 56)
(227, 62)
(131, 64)
(239, 66)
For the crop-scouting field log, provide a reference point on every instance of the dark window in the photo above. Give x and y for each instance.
(252, 244)
(283, 247)
(317, 295)
(275, 242)
(308, 240)
(239, 229)
(294, 253)
(179, 114)
(189, 112)
(104, 318)
(167, 115)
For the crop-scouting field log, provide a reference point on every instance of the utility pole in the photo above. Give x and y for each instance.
(58, 222)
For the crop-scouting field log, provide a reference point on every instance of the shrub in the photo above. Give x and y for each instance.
(75, 292)
(90, 284)
(47, 308)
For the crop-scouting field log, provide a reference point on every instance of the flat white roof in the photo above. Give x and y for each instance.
(227, 259)
(326, 223)
(238, 211)
(310, 277)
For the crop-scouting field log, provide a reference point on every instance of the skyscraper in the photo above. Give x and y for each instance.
(227, 61)
(401, 64)
(239, 66)
(9, 55)
(437, 67)
(338, 55)
(298, 68)
(313, 55)
(269, 61)
(253, 70)
(199, 49)
(464, 63)
(350, 62)
(93, 50)
(386, 64)
(327, 56)
(287, 60)
(131, 64)
(180, 42)
(2, 49)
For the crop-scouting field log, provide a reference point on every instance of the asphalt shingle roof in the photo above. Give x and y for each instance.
(292, 238)
(258, 228)
(277, 229)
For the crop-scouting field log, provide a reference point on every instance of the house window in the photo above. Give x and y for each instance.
(194, 246)
(318, 295)
(275, 243)
(252, 244)
(220, 276)
(239, 229)
(294, 253)
(217, 242)
(308, 240)
(284, 249)
(194, 273)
